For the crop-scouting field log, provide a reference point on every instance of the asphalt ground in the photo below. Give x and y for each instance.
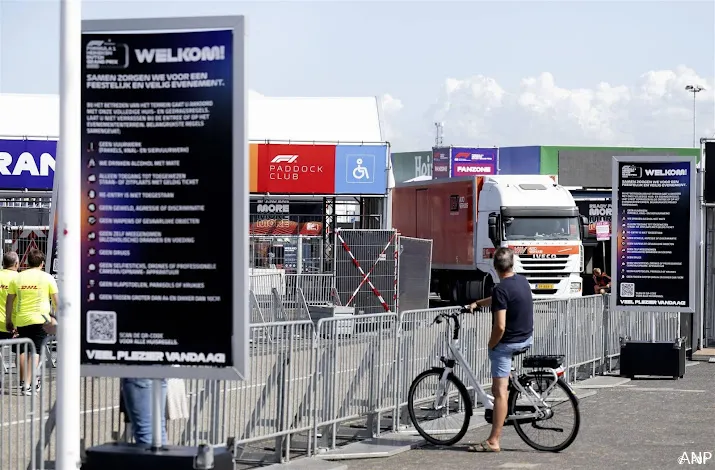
(643, 424)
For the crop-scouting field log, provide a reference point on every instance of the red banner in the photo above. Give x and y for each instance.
(285, 227)
(296, 169)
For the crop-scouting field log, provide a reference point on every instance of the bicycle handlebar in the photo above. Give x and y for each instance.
(452, 316)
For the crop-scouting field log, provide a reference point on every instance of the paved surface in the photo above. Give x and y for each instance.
(643, 424)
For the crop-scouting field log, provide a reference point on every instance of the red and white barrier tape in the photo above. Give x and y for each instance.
(366, 275)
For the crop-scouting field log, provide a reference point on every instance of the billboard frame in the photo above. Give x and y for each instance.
(615, 215)
(239, 341)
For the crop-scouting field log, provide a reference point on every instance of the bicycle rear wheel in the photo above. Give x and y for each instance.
(562, 402)
(439, 412)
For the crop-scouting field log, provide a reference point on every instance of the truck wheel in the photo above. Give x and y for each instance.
(445, 293)
(457, 292)
(487, 286)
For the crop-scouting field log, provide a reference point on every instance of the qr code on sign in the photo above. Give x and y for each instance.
(101, 327)
(628, 289)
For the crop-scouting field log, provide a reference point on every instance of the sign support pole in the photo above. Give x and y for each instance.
(699, 332)
(68, 176)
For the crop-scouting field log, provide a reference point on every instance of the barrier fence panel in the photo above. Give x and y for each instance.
(356, 373)
(414, 264)
(18, 411)
(262, 286)
(275, 403)
(285, 297)
(584, 334)
(22, 239)
(366, 269)
(308, 381)
(638, 327)
(317, 288)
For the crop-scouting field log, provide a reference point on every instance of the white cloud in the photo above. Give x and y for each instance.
(653, 110)
(390, 104)
(391, 117)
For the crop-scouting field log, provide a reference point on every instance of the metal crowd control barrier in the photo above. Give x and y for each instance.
(288, 297)
(312, 385)
(17, 411)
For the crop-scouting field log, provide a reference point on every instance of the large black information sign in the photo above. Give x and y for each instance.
(654, 234)
(709, 159)
(158, 176)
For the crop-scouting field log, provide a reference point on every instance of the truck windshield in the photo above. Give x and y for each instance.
(541, 228)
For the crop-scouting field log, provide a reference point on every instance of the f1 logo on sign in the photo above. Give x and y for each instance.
(296, 169)
(284, 159)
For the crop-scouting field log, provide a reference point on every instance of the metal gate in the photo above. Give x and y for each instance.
(414, 265)
(23, 239)
(366, 269)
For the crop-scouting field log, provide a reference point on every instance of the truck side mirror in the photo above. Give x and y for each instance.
(584, 228)
(494, 228)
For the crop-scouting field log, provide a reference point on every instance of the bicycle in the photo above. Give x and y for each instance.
(537, 409)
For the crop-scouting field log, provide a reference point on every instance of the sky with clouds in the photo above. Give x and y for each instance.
(494, 73)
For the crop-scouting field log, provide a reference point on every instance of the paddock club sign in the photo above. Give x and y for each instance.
(318, 169)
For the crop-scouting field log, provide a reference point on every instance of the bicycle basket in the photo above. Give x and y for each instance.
(543, 361)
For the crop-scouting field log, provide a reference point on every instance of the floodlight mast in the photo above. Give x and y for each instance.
(694, 89)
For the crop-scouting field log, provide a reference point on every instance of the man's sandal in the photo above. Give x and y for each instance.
(483, 447)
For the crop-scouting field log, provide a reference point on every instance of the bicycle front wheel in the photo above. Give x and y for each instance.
(559, 428)
(440, 412)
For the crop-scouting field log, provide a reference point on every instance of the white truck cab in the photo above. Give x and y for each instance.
(539, 220)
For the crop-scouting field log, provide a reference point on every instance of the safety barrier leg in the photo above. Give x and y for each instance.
(278, 308)
(397, 374)
(283, 397)
(373, 424)
(605, 336)
(566, 308)
(406, 351)
(328, 433)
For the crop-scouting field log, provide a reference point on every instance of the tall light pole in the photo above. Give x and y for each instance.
(694, 89)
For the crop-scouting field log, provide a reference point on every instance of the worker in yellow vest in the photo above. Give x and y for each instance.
(10, 264)
(33, 288)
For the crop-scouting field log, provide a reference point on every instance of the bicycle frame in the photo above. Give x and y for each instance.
(455, 357)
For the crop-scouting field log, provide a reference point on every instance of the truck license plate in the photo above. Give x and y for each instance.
(544, 286)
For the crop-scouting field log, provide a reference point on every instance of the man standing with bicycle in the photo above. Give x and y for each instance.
(512, 331)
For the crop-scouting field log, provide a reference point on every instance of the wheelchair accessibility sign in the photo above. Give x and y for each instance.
(360, 169)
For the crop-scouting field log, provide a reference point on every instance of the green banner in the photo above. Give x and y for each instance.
(409, 165)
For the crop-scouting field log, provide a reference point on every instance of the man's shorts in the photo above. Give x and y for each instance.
(500, 357)
(5, 335)
(34, 333)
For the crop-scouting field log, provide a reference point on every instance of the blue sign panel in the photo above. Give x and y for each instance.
(27, 164)
(520, 160)
(360, 169)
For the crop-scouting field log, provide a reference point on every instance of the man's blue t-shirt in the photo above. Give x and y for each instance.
(513, 294)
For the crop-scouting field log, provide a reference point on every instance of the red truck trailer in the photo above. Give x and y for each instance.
(467, 217)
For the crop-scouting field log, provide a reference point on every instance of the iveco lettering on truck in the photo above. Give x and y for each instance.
(467, 217)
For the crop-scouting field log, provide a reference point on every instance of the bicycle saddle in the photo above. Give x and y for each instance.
(520, 351)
